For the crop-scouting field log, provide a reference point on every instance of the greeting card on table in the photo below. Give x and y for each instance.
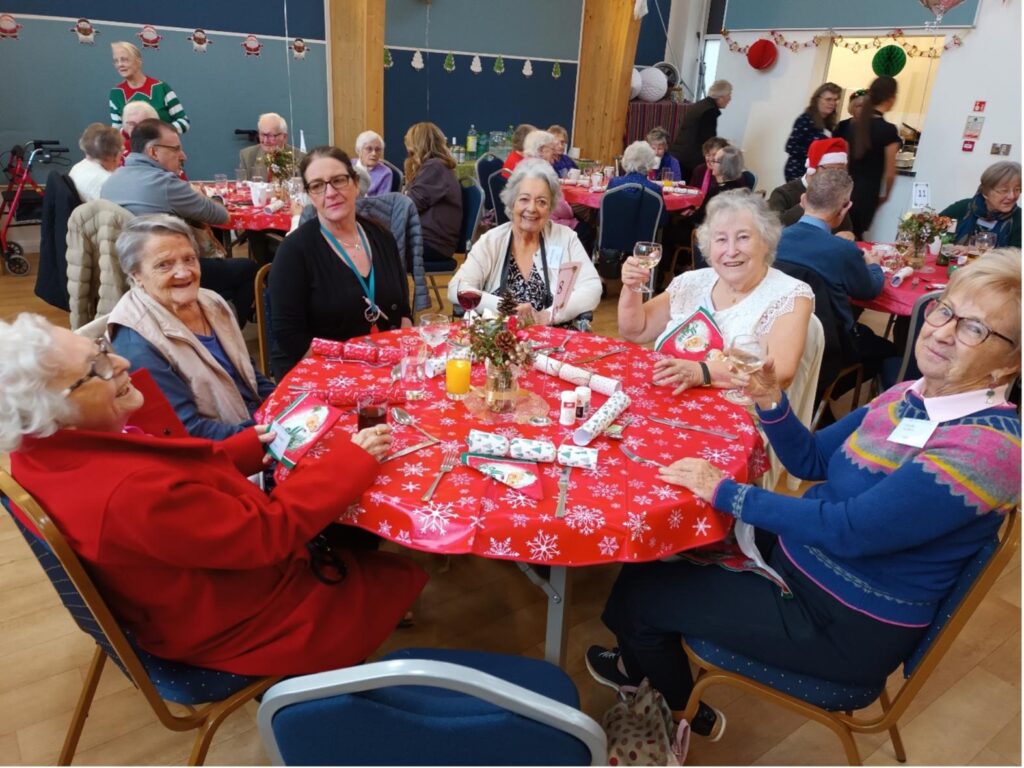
(298, 427)
(521, 476)
(694, 338)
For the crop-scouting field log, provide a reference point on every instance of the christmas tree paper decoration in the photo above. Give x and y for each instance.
(499, 66)
(475, 66)
(417, 61)
(527, 69)
(449, 62)
(389, 62)
(556, 70)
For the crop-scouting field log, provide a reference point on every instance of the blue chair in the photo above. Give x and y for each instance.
(629, 214)
(397, 177)
(423, 706)
(831, 703)
(897, 369)
(209, 695)
(472, 212)
(496, 185)
(485, 166)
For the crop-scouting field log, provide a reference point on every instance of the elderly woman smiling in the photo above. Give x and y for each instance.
(370, 151)
(868, 553)
(197, 563)
(524, 255)
(741, 291)
(994, 208)
(184, 335)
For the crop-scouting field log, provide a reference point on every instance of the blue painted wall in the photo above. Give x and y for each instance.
(53, 86)
(819, 14)
(650, 46)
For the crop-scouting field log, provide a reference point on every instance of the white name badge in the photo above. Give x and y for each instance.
(913, 432)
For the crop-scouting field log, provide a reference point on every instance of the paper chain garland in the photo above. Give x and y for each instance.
(838, 41)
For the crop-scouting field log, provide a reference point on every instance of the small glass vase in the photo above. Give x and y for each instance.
(501, 387)
(916, 254)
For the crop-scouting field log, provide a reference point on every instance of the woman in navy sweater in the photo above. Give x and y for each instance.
(869, 553)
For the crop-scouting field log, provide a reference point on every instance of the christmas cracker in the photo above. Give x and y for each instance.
(602, 418)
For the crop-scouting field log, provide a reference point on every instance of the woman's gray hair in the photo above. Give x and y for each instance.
(991, 279)
(28, 403)
(365, 137)
(531, 168)
(999, 173)
(730, 164)
(535, 140)
(101, 142)
(766, 221)
(131, 243)
(658, 135)
(720, 88)
(639, 157)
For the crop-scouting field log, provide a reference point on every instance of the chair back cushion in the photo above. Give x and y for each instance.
(485, 166)
(496, 184)
(472, 209)
(629, 214)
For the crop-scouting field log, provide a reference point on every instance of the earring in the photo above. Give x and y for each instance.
(990, 396)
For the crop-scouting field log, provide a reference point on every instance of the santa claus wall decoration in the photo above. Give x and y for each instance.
(86, 32)
(150, 37)
(8, 27)
(200, 40)
(252, 46)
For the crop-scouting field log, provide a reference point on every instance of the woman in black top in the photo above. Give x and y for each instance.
(816, 122)
(336, 276)
(873, 145)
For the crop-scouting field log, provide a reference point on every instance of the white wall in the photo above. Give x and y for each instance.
(986, 68)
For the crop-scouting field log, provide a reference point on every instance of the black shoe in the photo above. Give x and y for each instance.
(708, 722)
(603, 665)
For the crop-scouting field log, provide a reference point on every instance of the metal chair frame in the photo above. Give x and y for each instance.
(262, 345)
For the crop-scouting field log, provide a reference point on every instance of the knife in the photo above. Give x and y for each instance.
(694, 428)
(410, 449)
(563, 490)
(601, 356)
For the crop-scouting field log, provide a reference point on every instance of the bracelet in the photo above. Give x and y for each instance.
(705, 373)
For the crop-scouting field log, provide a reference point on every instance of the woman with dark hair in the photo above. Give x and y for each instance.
(994, 208)
(338, 275)
(817, 122)
(873, 145)
(430, 182)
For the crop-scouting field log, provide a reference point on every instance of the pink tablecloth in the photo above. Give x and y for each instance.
(575, 195)
(619, 511)
(900, 300)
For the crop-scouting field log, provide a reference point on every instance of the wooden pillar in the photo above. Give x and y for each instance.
(355, 55)
(607, 52)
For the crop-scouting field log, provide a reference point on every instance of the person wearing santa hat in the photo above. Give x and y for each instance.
(785, 199)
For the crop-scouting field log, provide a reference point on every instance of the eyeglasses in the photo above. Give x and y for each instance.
(272, 135)
(373, 150)
(318, 187)
(100, 367)
(173, 148)
(968, 331)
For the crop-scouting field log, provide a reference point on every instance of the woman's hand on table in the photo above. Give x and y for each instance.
(376, 441)
(265, 436)
(633, 275)
(683, 374)
(696, 475)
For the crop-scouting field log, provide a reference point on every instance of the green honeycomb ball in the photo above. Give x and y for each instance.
(889, 60)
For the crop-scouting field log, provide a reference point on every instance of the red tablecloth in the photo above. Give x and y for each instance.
(618, 512)
(900, 300)
(576, 195)
(246, 216)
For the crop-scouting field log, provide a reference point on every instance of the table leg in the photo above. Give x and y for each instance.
(556, 587)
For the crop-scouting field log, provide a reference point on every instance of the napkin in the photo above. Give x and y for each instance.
(602, 418)
(897, 280)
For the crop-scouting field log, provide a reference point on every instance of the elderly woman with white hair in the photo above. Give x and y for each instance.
(137, 86)
(739, 294)
(524, 255)
(370, 154)
(102, 145)
(134, 112)
(198, 564)
(638, 159)
(184, 335)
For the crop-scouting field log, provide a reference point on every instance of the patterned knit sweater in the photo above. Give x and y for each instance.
(892, 526)
(158, 93)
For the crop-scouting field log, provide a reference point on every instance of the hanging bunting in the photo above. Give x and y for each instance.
(556, 70)
(389, 60)
(527, 69)
(499, 66)
(475, 66)
(449, 62)
(199, 40)
(299, 48)
(8, 27)
(417, 61)
(251, 45)
(150, 37)
(85, 31)
(837, 41)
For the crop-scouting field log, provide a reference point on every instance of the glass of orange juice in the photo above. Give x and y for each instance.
(667, 178)
(457, 370)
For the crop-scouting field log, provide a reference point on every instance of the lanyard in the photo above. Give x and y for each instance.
(373, 313)
(549, 300)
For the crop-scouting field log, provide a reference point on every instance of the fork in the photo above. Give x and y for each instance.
(448, 459)
(638, 459)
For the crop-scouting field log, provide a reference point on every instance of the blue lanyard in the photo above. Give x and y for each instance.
(369, 290)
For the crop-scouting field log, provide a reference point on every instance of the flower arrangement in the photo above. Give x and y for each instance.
(922, 226)
(501, 341)
(281, 163)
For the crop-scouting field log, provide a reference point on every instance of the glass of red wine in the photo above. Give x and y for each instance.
(372, 408)
(469, 298)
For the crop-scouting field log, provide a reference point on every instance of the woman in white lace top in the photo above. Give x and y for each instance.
(740, 293)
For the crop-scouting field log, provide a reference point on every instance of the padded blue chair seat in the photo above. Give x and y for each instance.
(826, 694)
(424, 725)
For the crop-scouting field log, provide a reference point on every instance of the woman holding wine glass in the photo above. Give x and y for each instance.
(704, 312)
(527, 255)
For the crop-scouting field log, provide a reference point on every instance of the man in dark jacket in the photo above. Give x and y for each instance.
(700, 123)
(823, 154)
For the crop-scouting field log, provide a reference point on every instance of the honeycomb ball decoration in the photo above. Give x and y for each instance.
(635, 84)
(889, 61)
(653, 84)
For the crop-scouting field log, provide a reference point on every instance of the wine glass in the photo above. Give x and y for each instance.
(469, 297)
(648, 254)
(747, 356)
(983, 241)
(433, 329)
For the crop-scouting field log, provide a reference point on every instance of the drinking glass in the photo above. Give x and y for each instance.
(747, 356)
(411, 368)
(241, 177)
(220, 184)
(372, 408)
(433, 329)
(457, 370)
(983, 241)
(667, 178)
(469, 297)
(648, 254)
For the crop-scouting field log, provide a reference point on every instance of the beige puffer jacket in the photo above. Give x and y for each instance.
(95, 279)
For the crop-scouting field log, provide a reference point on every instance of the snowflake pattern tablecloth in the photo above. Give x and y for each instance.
(576, 195)
(901, 300)
(619, 511)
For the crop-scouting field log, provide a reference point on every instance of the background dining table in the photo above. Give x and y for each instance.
(620, 511)
(679, 200)
(899, 300)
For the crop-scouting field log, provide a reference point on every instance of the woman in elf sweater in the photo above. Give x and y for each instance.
(870, 552)
(137, 86)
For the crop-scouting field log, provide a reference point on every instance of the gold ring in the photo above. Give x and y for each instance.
(377, 429)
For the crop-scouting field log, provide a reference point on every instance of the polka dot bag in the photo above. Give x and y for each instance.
(640, 729)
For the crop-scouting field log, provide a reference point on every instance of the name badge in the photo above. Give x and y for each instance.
(913, 432)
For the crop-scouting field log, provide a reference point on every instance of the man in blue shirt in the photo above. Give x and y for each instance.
(846, 270)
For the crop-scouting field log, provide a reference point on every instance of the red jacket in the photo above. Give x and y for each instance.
(199, 564)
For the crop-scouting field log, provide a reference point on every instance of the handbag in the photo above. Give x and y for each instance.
(641, 731)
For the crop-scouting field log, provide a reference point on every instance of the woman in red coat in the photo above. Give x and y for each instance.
(197, 563)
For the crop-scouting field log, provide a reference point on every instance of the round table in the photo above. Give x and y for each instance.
(576, 195)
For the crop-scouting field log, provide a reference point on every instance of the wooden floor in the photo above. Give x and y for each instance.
(968, 714)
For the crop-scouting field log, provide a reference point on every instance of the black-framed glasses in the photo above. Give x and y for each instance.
(272, 135)
(318, 187)
(178, 149)
(100, 367)
(968, 330)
